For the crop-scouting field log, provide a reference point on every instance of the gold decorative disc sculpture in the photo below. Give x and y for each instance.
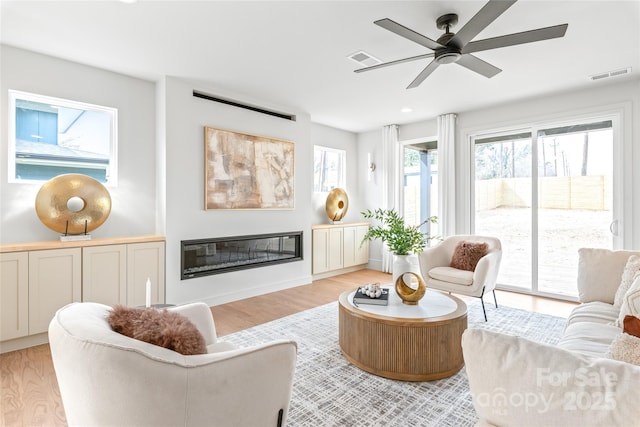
(73, 204)
(337, 204)
(409, 295)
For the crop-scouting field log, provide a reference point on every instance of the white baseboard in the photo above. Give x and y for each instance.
(255, 291)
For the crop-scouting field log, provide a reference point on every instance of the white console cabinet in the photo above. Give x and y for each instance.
(39, 278)
(337, 249)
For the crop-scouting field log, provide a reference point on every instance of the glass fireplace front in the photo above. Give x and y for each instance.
(203, 257)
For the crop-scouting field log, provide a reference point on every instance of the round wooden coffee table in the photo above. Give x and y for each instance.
(404, 342)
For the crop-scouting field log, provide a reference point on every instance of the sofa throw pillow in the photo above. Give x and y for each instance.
(631, 326)
(467, 254)
(631, 268)
(630, 302)
(159, 327)
(625, 348)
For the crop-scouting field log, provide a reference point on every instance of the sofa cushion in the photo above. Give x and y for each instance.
(452, 275)
(631, 326)
(599, 273)
(630, 302)
(625, 348)
(518, 382)
(596, 311)
(629, 273)
(589, 338)
(467, 254)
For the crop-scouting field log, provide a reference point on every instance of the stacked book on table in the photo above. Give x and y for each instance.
(361, 298)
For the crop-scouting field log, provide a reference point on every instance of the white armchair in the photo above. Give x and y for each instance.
(106, 378)
(436, 272)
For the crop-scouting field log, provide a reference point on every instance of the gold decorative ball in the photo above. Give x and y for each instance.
(337, 204)
(408, 294)
(73, 203)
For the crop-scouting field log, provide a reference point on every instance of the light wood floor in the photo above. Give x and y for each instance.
(29, 390)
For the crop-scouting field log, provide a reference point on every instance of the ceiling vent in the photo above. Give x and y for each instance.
(363, 58)
(608, 74)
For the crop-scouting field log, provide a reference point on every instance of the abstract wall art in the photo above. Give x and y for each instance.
(247, 171)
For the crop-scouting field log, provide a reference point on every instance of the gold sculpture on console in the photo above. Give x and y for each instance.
(408, 294)
(337, 204)
(73, 204)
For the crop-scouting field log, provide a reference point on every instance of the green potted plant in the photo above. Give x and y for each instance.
(403, 240)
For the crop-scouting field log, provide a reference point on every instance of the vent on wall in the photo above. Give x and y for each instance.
(608, 74)
(233, 103)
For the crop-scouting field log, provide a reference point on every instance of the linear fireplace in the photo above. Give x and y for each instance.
(203, 257)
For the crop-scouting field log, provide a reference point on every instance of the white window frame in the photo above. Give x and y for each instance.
(14, 95)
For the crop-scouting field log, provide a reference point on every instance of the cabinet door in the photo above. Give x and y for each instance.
(55, 280)
(349, 246)
(320, 251)
(361, 247)
(336, 248)
(104, 274)
(145, 261)
(14, 295)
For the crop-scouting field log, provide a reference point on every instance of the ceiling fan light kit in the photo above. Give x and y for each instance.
(457, 47)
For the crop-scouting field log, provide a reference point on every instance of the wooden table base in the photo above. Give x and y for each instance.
(402, 348)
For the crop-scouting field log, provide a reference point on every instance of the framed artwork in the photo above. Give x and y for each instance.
(247, 171)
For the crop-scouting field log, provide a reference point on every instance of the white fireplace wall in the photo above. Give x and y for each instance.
(183, 121)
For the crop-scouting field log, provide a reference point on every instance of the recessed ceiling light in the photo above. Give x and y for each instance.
(406, 110)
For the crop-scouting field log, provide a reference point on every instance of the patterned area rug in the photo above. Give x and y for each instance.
(329, 391)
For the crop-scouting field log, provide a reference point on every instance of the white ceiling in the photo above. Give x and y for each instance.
(294, 53)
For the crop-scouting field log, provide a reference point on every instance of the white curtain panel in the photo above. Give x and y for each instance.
(391, 182)
(447, 174)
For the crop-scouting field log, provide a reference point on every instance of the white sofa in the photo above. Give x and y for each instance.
(108, 379)
(517, 382)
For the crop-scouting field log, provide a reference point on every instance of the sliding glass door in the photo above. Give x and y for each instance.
(503, 205)
(545, 193)
(575, 169)
(420, 186)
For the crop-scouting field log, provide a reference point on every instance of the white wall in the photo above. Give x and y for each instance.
(343, 140)
(186, 217)
(371, 191)
(133, 201)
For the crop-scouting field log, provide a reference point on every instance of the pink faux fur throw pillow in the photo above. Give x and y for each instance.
(159, 327)
(467, 254)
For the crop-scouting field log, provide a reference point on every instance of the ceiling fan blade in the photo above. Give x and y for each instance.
(397, 61)
(480, 21)
(408, 33)
(478, 65)
(517, 38)
(423, 74)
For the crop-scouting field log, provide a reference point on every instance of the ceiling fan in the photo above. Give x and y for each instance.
(458, 47)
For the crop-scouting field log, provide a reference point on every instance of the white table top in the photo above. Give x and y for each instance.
(433, 304)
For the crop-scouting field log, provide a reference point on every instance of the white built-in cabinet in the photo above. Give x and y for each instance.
(55, 280)
(117, 274)
(338, 248)
(37, 279)
(14, 295)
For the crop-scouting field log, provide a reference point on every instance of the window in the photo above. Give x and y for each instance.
(51, 136)
(328, 168)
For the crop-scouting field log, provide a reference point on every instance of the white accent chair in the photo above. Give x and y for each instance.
(108, 379)
(436, 272)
